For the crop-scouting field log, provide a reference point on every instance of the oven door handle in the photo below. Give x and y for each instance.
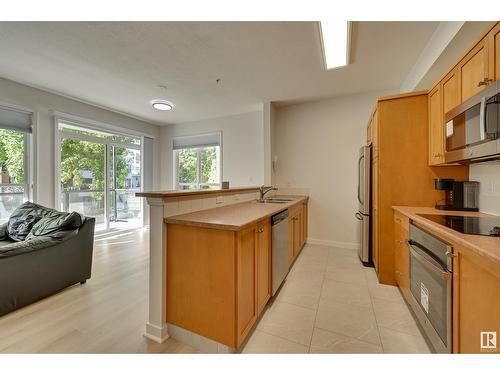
(446, 275)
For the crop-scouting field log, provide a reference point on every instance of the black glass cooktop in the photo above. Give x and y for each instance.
(484, 226)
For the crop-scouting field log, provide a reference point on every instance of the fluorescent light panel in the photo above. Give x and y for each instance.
(335, 35)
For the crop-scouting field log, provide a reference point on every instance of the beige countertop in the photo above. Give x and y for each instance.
(235, 216)
(186, 193)
(488, 247)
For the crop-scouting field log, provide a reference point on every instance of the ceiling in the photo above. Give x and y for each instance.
(122, 65)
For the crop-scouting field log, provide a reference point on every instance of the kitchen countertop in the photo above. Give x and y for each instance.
(489, 247)
(186, 193)
(235, 216)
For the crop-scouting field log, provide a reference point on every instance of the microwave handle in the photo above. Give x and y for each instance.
(482, 119)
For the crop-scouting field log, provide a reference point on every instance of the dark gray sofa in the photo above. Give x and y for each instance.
(42, 251)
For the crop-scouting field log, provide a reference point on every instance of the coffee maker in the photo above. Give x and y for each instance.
(459, 195)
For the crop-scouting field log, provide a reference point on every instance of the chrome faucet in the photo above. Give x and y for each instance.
(264, 190)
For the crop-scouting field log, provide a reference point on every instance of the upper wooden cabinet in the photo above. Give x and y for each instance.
(450, 92)
(436, 127)
(473, 70)
(494, 52)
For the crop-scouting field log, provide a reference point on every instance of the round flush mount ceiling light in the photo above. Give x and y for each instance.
(162, 105)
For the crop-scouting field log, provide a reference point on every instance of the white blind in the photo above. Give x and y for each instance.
(15, 119)
(202, 140)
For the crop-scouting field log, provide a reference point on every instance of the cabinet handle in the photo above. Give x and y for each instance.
(484, 82)
(399, 242)
(438, 155)
(398, 220)
(260, 230)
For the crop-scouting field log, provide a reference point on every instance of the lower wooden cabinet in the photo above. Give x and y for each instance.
(297, 230)
(401, 254)
(476, 302)
(218, 281)
(264, 262)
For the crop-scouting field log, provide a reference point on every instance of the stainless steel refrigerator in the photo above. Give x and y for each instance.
(364, 203)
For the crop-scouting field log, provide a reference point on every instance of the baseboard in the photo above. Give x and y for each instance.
(340, 244)
(155, 333)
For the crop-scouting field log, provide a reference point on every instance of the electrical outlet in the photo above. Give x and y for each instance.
(218, 200)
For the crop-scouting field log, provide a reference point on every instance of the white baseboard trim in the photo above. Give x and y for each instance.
(155, 333)
(343, 245)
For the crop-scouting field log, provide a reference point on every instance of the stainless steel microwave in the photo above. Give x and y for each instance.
(472, 129)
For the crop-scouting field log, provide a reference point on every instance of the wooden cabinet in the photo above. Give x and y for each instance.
(450, 92)
(297, 230)
(305, 223)
(246, 281)
(218, 281)
(473, 70)
(401, 254)
(494, 53)
(263, 254)
(436, 127)
(476, 300)
(400, 172)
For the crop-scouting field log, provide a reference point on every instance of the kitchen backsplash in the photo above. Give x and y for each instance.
(488, 174)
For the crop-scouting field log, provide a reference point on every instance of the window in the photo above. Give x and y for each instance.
(197, 162)
(15, 129)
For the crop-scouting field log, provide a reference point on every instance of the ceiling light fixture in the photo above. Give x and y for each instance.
(162, 105)
(335, 36)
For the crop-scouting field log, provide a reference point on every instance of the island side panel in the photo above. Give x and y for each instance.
(201, 281)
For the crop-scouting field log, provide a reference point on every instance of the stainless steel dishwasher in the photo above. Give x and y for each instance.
(279, 249)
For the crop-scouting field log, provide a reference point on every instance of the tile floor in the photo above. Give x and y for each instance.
(330, 303)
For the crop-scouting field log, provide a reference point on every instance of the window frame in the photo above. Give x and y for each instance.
(177, 184)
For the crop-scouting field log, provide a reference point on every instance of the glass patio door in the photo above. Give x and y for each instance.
(83, 166)
(99, 176)
(124, 181)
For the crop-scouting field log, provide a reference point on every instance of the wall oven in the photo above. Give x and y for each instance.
(430, 286)
(472, 128)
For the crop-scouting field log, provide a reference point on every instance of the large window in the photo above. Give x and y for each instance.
(99, 175)
(197, 162)
(15, 129)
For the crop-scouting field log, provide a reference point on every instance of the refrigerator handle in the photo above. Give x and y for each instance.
(359, 175)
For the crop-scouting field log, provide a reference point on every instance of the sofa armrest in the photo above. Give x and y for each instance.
(3, 231)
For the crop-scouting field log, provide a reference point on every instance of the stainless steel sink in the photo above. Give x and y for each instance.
(274, 200)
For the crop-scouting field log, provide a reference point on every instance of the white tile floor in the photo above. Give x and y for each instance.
(330, 303)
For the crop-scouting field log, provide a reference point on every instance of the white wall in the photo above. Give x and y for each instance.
(317, 145)
(41, 103)
(242, 147)
(488, 175)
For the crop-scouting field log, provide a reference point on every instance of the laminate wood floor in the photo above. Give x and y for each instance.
(106, 315)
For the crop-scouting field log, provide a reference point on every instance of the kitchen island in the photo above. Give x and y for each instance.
(210, 263)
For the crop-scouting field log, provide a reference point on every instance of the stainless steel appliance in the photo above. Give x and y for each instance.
(482, 226)
(279, 249)
(430, 286)
(472, 128)
(460, 195)
(364, 203)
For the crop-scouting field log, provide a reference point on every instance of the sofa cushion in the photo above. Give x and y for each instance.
(23, 218)
(54, 222)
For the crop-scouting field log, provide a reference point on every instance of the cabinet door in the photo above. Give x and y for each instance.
(450, 91)
(401, 257)
(246, 282)
(436, 127)
(296, 233)
(304, 223)
(473, 70)
(494, 52)
(291, 243)
(263, 243)
(476, 302)
(374, 215)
